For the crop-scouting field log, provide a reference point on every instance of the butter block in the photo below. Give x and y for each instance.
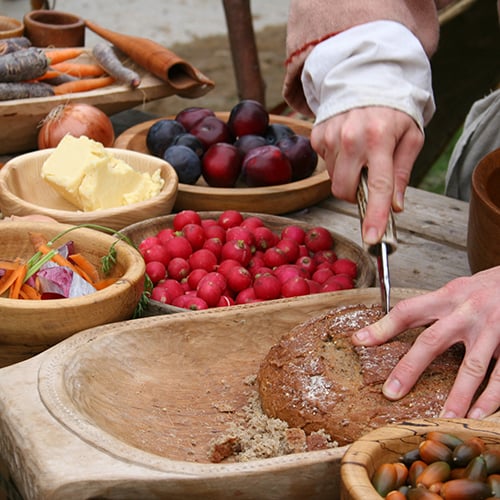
(91, 178)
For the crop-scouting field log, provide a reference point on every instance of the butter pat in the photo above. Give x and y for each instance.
(91, 178)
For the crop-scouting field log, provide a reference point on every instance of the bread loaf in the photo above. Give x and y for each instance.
(314, 378)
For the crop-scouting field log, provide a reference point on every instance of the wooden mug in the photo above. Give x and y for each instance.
(483, 236)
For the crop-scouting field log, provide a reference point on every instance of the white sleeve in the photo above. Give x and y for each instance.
(380, 63)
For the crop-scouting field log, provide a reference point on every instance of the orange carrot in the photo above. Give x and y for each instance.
(15, 288)
(11, 265)
(83, 85)
(48, 75)
(103, 283)
(85, 265)
(28, 292)
(58, 55)
(6, 281)
(78, 69)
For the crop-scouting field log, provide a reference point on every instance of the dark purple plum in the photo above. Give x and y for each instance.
(190, 141)
(266, 166)
(221, 165)
(248, 117)
(247, 142)
(189, 117)
(185, 162)
(161, 135)
(211, 130)
(302, 156)
(277, 131)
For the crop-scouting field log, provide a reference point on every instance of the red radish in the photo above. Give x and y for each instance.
(195, 234)
(156, 271)
(173, 287)
(345, 266)
(225, 301)
(239, 278)
(237, 250)
(294, 232)
(346, 282)
(274, 257)
(246, 296)
(215, 231)
(156, 253)
(165, 234)
(226, 265)
(325, 256)
(191, 302)
(251, 222)
(161, 294)
(264, 238)
(240, 233)
(306, 263)
(179, 247)
(210, 292)
(318, 238)
(178, 268)
(267, 287)
(295, 287)
(290, 248)
(287, 271)
(186, 217)
(147, 243)
(330, 286)
(322, 274)
(215, 277)
(208, 222)
(204, 259)
(230, 218)
(314, 286)
(214, 245)
(256, 262)
(195, 276)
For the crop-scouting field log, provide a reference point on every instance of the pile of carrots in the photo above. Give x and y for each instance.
(13, 283)
(27, 71)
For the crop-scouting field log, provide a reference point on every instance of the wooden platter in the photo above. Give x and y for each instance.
(21, 118)
(135, 404)
(279, 199)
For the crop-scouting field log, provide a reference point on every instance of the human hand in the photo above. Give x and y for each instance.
(463, 311)
(384, 139)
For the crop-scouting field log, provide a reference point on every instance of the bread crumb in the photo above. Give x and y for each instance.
(259, 436)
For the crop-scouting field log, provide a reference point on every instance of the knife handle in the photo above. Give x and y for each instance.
(389, 237)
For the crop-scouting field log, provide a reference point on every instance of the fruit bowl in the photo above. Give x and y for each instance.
(343, 247)
(388, 444)
(30, 326)
(24, 192)
(278, 199)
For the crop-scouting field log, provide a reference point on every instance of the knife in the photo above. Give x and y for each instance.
(384, 248)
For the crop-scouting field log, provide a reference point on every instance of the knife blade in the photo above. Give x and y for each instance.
(381, 250)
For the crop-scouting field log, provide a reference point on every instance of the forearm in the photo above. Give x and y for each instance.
(312, 21)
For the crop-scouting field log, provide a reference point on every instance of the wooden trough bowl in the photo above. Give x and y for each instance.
(128, 410)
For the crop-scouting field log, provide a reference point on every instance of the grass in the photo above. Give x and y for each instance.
(435, 178)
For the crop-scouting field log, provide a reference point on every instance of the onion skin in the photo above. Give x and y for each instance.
(76, 119)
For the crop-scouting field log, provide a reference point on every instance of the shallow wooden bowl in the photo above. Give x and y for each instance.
(24, 192)
(279, 199)
(483, 235)
(343, 247)
(28, 327)
(153, 392)
(388, 444)
(10, 27)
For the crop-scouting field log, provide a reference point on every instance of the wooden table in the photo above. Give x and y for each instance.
(432, 235)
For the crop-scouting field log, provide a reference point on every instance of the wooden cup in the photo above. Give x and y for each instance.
(52, 28)
(483, 236)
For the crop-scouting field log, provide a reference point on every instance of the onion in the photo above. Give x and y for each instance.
(76, 119)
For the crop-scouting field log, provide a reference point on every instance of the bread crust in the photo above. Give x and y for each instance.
(314, 378)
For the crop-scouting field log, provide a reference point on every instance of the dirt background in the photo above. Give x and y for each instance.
(212, 56)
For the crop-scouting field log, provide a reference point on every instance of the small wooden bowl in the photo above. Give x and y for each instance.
(388, 444)
(343, 247)
(280, 199)
(10, 27)
(24, 192)
(28, 327)
(483, 236)
(52, 28)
